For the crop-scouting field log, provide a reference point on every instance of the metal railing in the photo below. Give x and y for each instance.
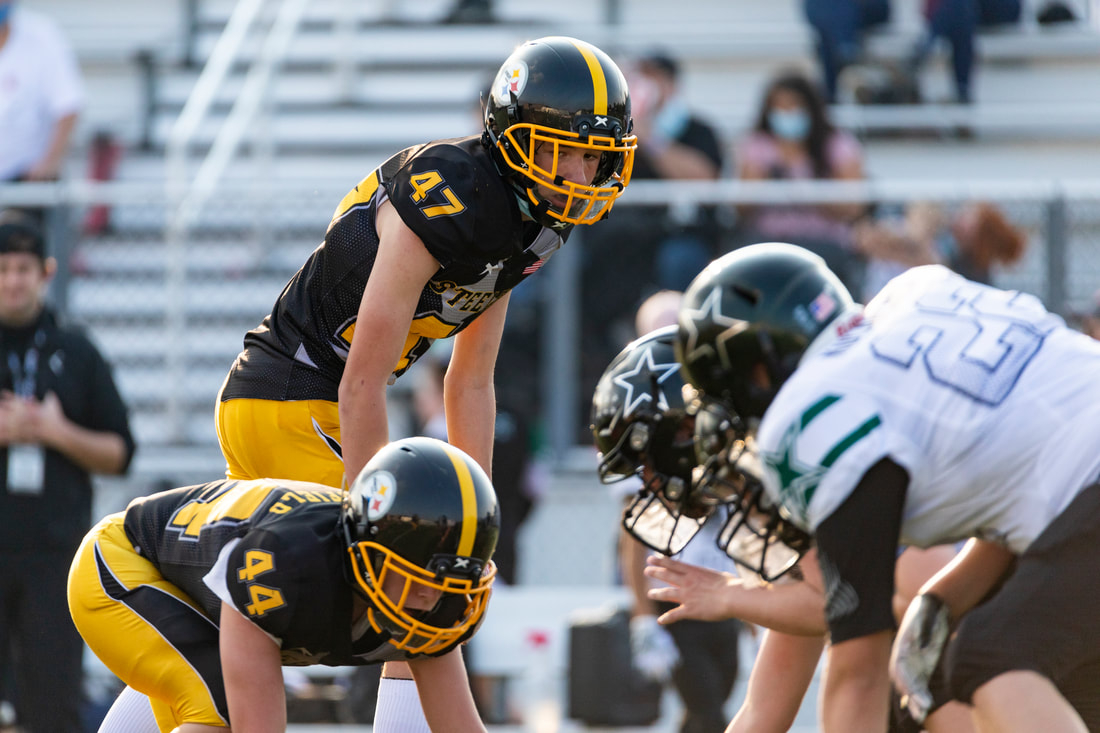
(1061, 218)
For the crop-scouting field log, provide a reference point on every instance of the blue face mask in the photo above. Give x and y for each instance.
(789, 124)
(672, 119)
(5, 12)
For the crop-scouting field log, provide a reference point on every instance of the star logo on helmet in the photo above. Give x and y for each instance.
(710, 312)
(645, 364)
(601, 121)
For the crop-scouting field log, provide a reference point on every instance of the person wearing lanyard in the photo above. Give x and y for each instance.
(61, 420)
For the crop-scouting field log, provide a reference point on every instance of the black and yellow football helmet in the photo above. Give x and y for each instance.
(565, 93)
(420, 520)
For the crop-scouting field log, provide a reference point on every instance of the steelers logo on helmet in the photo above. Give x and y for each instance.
(379, 492)
(420, 523)
(511, 81)
(554, 99)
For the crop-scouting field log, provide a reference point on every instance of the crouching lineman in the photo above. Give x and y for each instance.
(196, 597)
(945, 409)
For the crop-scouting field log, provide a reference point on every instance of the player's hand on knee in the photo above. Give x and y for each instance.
(916, 652)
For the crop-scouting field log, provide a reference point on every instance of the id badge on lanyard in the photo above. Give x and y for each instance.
(26, 461)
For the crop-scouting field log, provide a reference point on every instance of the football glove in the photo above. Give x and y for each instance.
(916, 652)
(653, 650)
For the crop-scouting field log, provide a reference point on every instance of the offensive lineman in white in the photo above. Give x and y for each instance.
(946, 410)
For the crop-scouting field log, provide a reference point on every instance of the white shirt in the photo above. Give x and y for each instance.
(39, 84)
(990, 403)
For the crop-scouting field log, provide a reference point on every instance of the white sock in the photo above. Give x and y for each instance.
(398, 709)
(130, 713)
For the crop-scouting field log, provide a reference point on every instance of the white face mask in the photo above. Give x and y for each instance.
(789, 124)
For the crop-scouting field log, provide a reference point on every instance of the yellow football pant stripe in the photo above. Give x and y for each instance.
(469, 502)
(599, 83)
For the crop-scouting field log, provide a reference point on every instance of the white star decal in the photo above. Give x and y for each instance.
(492, 267)
(645, 363)
(710, 310)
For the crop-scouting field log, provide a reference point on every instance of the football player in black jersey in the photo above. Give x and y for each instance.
(428, 246)
(195, 597)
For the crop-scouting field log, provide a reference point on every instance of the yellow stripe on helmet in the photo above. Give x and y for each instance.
(599, 83)
(469, 502)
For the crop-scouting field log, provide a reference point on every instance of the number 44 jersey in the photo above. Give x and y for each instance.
(989, 402)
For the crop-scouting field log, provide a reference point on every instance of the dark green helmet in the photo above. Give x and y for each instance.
(756, 308)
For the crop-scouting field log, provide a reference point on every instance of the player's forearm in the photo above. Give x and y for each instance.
(253, 673)
(969, 577)
(790, 608)
(856, 707)
(445, 696)
(363, 424)
(856, 692)
(632, 555)
(471, 407)
(780, 676)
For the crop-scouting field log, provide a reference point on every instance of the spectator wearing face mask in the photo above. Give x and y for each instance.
(793, 139)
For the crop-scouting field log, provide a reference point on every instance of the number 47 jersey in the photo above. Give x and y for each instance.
(988, 401)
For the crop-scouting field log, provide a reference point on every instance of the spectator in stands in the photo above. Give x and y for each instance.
(428, 246)
(699, 657)
(470, 11)
(957, 21)
(61, 420)
(793, 139)
(972, 241)
(1088, 320)
(838, 26)
(667, 247)
(41, 95)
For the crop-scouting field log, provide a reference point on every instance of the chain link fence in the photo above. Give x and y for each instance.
(169, 304)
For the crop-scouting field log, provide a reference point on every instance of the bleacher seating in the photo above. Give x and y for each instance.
(1037, 114)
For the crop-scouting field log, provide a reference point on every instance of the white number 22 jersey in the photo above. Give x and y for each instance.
(989, 402)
